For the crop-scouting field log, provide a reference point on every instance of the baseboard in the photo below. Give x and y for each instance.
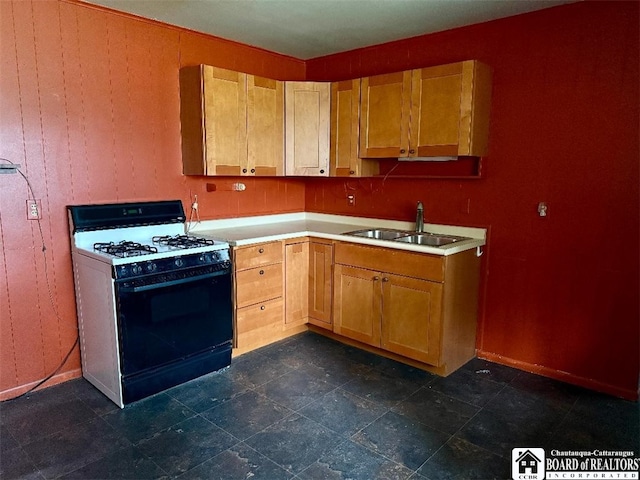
(56, 379)
(566, 377)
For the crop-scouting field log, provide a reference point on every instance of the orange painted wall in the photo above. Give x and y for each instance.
(560, 294)
(89, 107)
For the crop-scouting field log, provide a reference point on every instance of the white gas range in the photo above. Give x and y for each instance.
(154, 303)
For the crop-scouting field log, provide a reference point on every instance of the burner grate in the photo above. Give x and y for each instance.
(124, 249)
(182, 241)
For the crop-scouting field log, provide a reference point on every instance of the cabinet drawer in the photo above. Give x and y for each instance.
(258, 284)
(256, 255)
(259, 325)
(261, 315)
(400, 262)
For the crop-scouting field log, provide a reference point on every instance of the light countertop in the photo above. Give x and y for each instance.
(266, 228)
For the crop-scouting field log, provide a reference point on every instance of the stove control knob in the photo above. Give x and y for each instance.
(136, 269)
(178, 262)
(151, 267)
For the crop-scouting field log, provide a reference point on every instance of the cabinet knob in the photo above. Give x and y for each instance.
(253, 170)
(385, 279)
(261, 272)
(261, 250)
(402, 150)
(321, 171)
(376, 278)
(352, 172)
(244, 170)
(262, 307)
(412, 151)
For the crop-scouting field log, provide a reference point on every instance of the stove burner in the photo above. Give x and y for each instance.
(182, 241)
(124, 249)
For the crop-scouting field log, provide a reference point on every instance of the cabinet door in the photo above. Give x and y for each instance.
(345, 127)
(450, 110)
(307, 122)
(435, 98)
(356, 307)
(265, 127)
(319, 268)
(213, 120)
(296, 259)
(384, 117)
(412, 317)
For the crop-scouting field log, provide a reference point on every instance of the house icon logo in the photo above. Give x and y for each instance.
(527, 464)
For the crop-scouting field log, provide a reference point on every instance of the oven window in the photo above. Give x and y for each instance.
(167, 323)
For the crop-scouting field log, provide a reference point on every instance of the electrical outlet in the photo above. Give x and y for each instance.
(351, 200)
(34, 209)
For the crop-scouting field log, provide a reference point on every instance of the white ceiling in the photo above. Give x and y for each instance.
(307, 29)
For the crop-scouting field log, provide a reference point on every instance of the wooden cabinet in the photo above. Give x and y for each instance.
(411, 313)
(345, 125)
(427, 112)
(320, 277)
(357, 301)
(259, 303)
(296, 255)
(418, 306)
(231, 123)
(308, 280)
(399, 314)
(384, 117)
(307, 122)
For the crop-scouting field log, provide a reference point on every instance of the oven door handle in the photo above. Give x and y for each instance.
(170, 283)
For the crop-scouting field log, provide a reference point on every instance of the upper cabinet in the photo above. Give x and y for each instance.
(345, 125)
(427, 112)
(265, 126)
(239, 124)
(232, 123)
(307, 128)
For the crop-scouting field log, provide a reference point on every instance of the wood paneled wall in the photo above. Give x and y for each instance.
(89, 106)
(560, 292)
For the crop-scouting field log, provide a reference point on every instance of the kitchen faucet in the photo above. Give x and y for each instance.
(420, 218)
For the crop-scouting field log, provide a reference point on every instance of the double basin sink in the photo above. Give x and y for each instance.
(415, 238)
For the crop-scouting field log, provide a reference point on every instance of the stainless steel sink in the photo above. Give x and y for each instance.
(429, 239)
(379, 234)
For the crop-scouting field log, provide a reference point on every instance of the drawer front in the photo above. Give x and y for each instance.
(263, 315)
(259, 325)
(258, 284)
(257, 255)
(400, 262)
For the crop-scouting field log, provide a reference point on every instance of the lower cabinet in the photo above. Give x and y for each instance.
(308, 279)
(414, 307)
(357, 304)
(320, 281)
(398, 314)
(259, 288)
(411, 317)
(296, 258)
(418, 306)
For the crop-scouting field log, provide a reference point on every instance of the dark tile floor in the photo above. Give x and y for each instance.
(310, 408)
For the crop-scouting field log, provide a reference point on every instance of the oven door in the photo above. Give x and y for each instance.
(170, 317)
